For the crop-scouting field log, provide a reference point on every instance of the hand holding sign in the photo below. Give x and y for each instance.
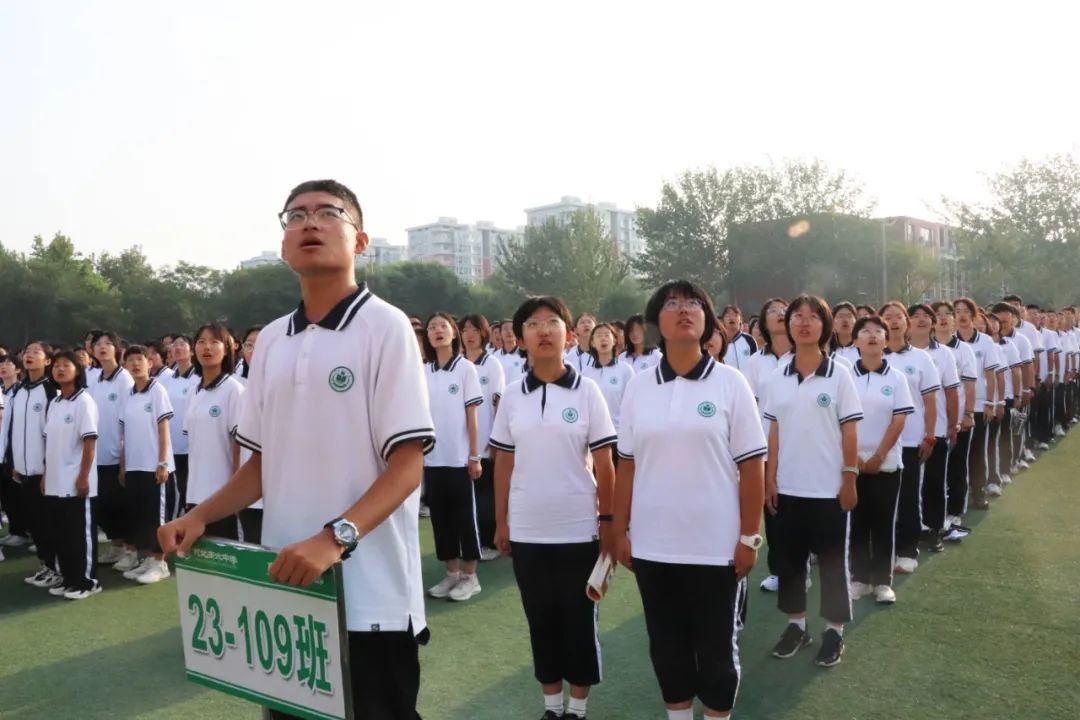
(300, 564)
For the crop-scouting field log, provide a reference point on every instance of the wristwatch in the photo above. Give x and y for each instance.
(345, 534)
(752, 541)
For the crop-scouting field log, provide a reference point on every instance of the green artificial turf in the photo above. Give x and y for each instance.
(983, 631)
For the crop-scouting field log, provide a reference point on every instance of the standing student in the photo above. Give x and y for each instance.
(475, 335)
(620, 336)
(146, 466)
(987, 396)
(181, 386)
(638, 354)
(919, 438)
(247, 351)
(10, 493)
(70, 482)
(775, 352)
(209, 425)
(1007, 374)
(109, 390)
(251, 518)
(843, 340)
(946, 425)
(160, 358)
(578, 354)
(755, 331)
(1024, 397)
(605, 369)
(886, 400)
(454, 465)
(511, 357)
(553, 514)
(495, 343)
(1030, 375)
(1017, 354)
(813, 409)
(360, 414)
(691, 536)
(740, 345)
(26, 427)
(717, 345)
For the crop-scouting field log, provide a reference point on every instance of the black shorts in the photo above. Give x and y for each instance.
(150, 506)
(451, 497)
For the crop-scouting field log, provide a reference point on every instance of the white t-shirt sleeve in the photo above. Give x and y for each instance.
(625, 446)
(232, 410)
(746, 439)
(601, 428)
(163, 409)
(496, 378)
(400, 409)
(501, 437)
(931, 379)
(249, 425)
(848, 404)
(471, 384)
(950, 378)
(87, 419)
(903, 404)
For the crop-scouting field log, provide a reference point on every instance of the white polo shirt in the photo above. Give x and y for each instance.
(739, 351)
(849, 353)
(686, 435)
(140, 416)
(70, 421)
(949, 374)
(577, 357)
(762, 365)
(641, 363)
(109, 394)
(552, 428)
(1032, 335)
(326, 404)
(210, 426)
(810, 412)
(26, 428)
(181, 388)
(513, 364)
(92, 373)
(451, 388)
(923, 378)
(489, 373)
(1052, 348)
(883, 394)
(612, 380)
(1011, 355)
(965, 362)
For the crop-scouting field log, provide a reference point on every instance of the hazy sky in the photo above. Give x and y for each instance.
(182, 126)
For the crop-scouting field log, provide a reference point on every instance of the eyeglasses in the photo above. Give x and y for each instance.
(553, 324)
(677, 304)
(805, 319)
(324, 215)
(774, 311)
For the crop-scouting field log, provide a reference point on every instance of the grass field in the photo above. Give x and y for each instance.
(984, 631)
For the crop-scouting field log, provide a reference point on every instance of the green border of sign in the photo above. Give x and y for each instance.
(251, 568)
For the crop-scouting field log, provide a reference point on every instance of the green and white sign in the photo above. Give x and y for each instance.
(276, 645)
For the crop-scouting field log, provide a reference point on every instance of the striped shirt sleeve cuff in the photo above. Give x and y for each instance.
(248, 443)
(425, 434)
(757, 452)
(475, 401)
(851, 418)
(89, 435)
(968, 378)
(604, 442)
(165, 416)
(505, 447)
(768, 417)
(624, 456)
(929, 390)
(952, 387)
(904, 411)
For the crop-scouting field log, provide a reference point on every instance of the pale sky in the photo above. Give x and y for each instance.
(182, 126)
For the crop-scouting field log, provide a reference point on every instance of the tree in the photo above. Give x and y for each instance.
(257, 295)
(576, 260)
(419, 288)
(686, 235)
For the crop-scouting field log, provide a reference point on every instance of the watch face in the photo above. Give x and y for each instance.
(346, 533)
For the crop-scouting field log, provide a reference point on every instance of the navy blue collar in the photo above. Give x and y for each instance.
(337, 319)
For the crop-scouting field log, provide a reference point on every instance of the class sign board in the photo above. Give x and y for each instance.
(283, 647)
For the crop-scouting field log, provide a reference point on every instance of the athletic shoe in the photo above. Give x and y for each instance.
(1015, 469)
(1028, 455)
(442, 590)
(17, 541)
(83, 594)
(102, 537)
(932, 542)
(993, 490)
(32, 549)
(59, 591)
(45, 580)
(489, 554)
(980, 504)
(770, 584)
(906, 565)
(1023, 464)
(425, 511)
(55, 580)
(1058, 432)
(139, 569)
(1006, 479)
(551, 715)
(832, 647)
(156, 570)
(38, 576)
(954, 535)
(792, 641)
(1043, 446)
(572, 716)
(468, 587)
(884, 594)
(859, 590)
(129, 561)
(111, 556)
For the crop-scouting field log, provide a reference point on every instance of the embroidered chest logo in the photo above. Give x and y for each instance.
(454, 389)
(341, 379)
(148, 407)
(978, 353)
(68, 419)
(484, 380)
(570, 415)
(613, 381)
(215, 411)
(706, 409)
(746, 352)
(910, 369)
(886, 390)
(37, 407)
(823, 400)
(112, 397)
(184, 391)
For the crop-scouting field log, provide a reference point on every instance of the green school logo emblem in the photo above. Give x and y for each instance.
(823, 400)
(614, 381)
(341, 379)
(706, 409)
(215, 411)
(68, 419)
(112, 397)
(37, 407)
(148, 407)
(886, 390)
(184, 391)
(453, 388)
(746, 352)
(910, 369)
(484, 380)
(978, 353)
(570, 415)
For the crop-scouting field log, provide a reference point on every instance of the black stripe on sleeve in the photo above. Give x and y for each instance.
(929, 390)
(89, 435)
(851, 418)
(759, 452)
(425, 434)
(952, 387)
(967, 378)
(624, 456)
(904, 411)
(604, 442)
(248, 443)
(768, 417)
(166, 416)
(500, 446)
(475, 401)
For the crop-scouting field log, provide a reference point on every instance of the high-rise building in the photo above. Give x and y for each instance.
(381, 252)
(471, 251)
(268, 257)
(620, 224)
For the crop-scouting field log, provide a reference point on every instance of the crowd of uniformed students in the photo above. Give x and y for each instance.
(858, 437)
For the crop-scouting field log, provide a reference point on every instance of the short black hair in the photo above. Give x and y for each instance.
(820, 308)
(136, 350)
(1005, 307)
(330, 187)
(455, 344)
(479, 322)
(867, 308)
(730, 308)
(686, 289)
(869, 320)
(113, 338)
(912, 309)
(637, 319)
(1033, 306)
(80, 372)
(764, 315)
(844, 305)
(967, 302)
(938, 304)
(527, 308)
(1013, 299)
(592, 348)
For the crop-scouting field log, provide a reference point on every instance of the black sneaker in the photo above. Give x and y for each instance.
(550, 715)
(572, 716)
(792, 641)
(832, 647)
(932, 542)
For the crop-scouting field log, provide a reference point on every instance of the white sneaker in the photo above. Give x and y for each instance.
(55, 580)
(82, 594)
(1043, 446)
(884, 594)
(59, 591)
(425, 511)
(993, 490)
(129, 561)
(442, 590)
(156, 570)
(16, 541)
(906, 565)
(954, 535)
(1058, 432)
(32, 549)
(113, 555)
(1014, 469)
(770, 584)
(469, 586)
(859, 590)
(1006, 479)
(1022, 464)
(489, 554)
(1028, 455)
(139, 569)
(41, 574)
